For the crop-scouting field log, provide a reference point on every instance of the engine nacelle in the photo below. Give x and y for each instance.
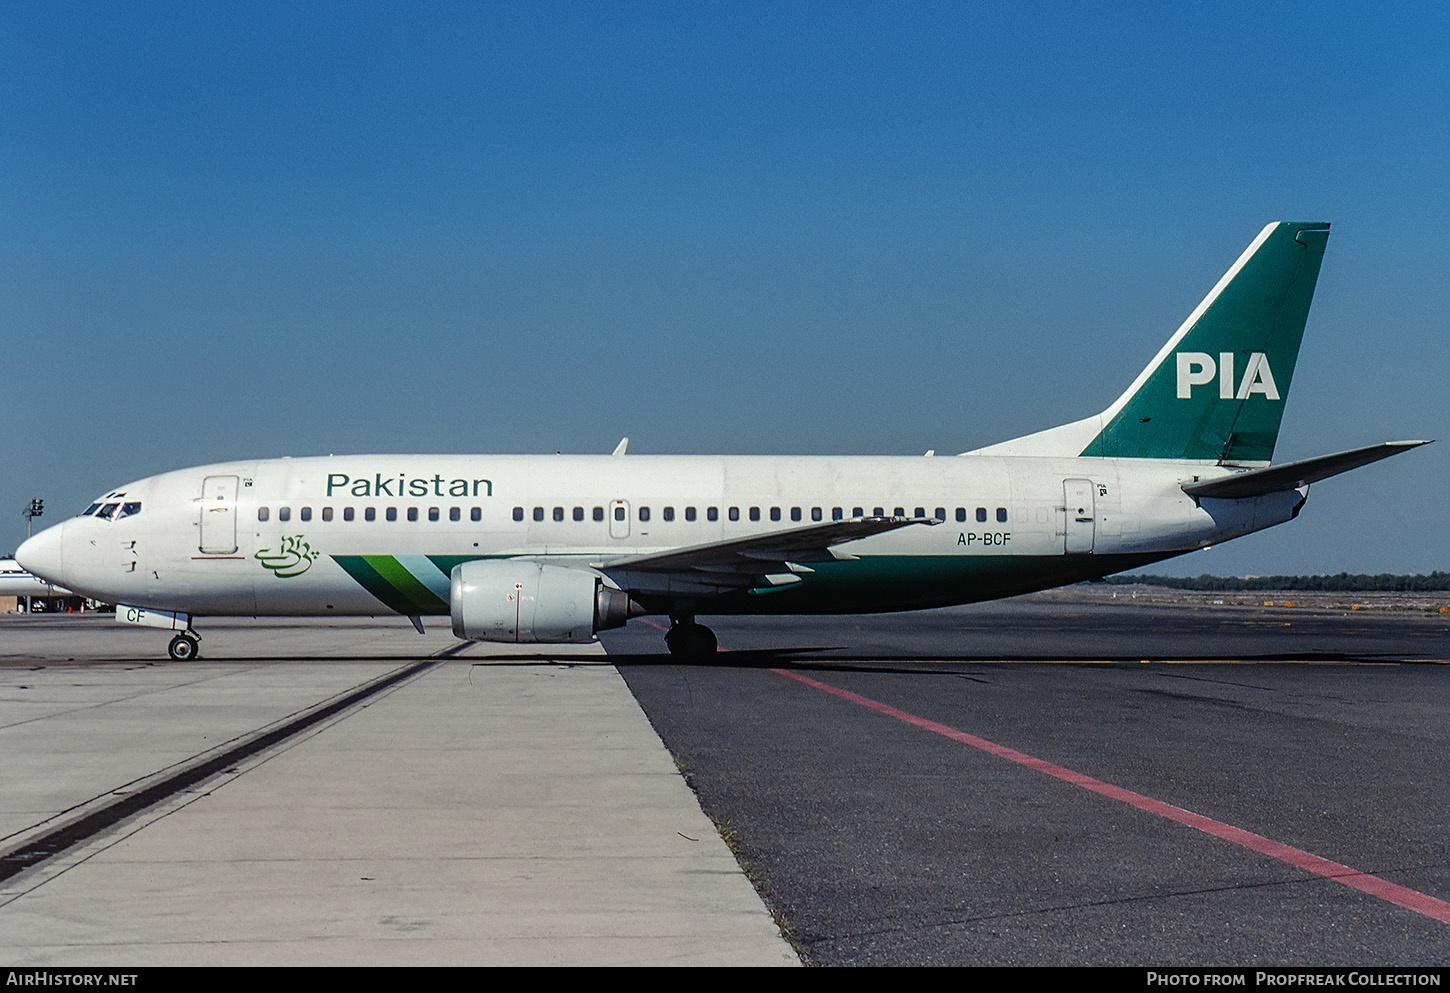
(525, 601)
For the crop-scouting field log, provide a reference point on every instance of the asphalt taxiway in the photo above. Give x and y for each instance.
(1079, 782)
(983, 785)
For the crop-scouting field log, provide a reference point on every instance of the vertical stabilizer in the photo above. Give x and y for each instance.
(1217, 389)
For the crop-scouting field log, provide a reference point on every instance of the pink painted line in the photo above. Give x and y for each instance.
(1400, 896)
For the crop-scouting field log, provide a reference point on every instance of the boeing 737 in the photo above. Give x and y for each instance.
(556, 548)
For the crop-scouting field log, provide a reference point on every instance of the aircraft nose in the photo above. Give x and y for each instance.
(43, 555)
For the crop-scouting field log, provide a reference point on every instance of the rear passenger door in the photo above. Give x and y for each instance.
(1081, 516)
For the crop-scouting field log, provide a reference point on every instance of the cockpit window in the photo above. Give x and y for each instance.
(91, 509)
(108, 510)
(128, 509)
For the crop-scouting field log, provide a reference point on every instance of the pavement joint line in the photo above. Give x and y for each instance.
(32, 851)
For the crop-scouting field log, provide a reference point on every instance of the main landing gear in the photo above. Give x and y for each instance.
(686, 639)
(184, 647)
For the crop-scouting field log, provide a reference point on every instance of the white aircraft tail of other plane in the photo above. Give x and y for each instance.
(555, 548)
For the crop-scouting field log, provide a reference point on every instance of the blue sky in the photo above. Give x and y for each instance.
(256, 229)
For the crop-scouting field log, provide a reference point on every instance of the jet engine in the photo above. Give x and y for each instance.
(525, 601)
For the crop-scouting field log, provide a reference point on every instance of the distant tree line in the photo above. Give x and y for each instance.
(1341, 582)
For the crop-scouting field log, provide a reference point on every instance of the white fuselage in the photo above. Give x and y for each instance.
(369, 534)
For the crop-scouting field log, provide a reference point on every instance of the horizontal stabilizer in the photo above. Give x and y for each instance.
(1292, 475)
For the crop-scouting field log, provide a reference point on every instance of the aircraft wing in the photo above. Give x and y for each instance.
(776, 558)
(1292, 475)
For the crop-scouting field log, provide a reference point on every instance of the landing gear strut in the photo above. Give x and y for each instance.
(686, 639)
(184, 647)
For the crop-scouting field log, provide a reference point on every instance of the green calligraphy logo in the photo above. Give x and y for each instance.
(293, 558)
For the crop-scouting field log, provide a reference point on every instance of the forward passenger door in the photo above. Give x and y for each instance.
(218, 509)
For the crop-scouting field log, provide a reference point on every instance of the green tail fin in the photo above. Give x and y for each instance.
(1217, 389)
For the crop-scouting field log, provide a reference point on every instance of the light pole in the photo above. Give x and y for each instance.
(36, 508)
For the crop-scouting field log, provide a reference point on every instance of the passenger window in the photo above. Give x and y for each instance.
(433, 514)
(712, 513)
(816, 514)
(1001, 515)
(518, 513)
(306, 514)
(476, 513)
(920, 513)
(558, 513)
(391, 513)
(961, 513)
(900, 512)
(689, 513)
(858, 512)
(263, 513)
(755, 513)
(838, 513)
(370, 513)
(981, 513)
(775, 513)
(734, 513)
(878, 511)
(538, 513)
(619, 513)
(455, 513)
(795, 513)
(578, 513)
(669, 513)
(284, 513)
(599, 513)
(347, 513)
(412, 513)
(327, 513)
(644, 513)
(941, 514)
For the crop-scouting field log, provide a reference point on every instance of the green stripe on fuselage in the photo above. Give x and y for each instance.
(407, 584)
(882, 583)
(870, 583)
(397, 588)
(445, 563)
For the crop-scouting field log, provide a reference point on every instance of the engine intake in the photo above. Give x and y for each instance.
(526, 601)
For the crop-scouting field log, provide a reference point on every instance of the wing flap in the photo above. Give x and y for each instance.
(740, 563)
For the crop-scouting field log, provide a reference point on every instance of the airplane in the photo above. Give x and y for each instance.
(15, 581)
(556, 548)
